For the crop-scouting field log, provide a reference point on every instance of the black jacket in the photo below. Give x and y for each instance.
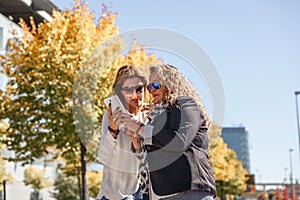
(177, 157)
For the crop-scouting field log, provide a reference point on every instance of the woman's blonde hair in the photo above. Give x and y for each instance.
(176, 85)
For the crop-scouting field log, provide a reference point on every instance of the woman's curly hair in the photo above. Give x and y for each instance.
(176, 85)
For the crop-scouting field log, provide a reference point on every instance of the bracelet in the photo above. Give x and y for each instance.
(137, 131)
(114, 131)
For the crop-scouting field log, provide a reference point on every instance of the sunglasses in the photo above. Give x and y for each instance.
(130, 89)
(153, 86)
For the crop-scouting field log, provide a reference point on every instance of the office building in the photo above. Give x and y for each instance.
(237, 139)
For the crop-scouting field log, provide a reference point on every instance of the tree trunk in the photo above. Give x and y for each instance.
(79, 183)
(4, 190)
(35, 195)
(84, 186)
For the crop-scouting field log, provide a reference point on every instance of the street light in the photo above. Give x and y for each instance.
(291, 163)
(297, 112)
(285, 180)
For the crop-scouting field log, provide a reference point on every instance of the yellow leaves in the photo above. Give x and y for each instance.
(4, 125)
(138, 57)
(10, 89)
(33, 26)
(226, 167)
(106, 26)
(4, 175)
(94, 178)
(23, 25)
(36, 178)
(94, 182)
(224, 161)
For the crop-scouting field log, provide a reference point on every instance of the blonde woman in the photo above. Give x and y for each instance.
(175, 139)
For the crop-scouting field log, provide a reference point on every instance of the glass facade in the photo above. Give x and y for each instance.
(237, 139)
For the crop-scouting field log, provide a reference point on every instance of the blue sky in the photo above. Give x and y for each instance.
(255, 46)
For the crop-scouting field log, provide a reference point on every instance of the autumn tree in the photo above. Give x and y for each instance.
(42, 68)
(37, 180)
(66, 185)
(95, 180)
(4, 175)
(230, 176)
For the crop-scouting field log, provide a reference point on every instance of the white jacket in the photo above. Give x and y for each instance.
(120, 171)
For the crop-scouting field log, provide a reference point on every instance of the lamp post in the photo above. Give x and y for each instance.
(291, 163)
(291, 173)
(297, 112)
(285, 180)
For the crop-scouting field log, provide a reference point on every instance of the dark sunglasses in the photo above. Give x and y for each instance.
(153, 86)
(131, 89)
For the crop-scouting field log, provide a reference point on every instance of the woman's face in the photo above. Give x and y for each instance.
(133, 92)
(157, 94)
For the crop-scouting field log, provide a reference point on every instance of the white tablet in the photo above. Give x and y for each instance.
(115, 102)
